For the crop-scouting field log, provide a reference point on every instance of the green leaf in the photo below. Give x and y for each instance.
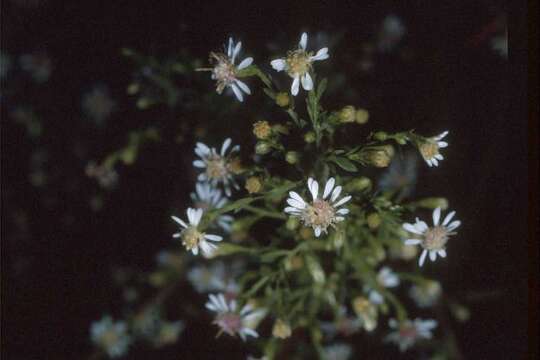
(344, 163)
(270, 93)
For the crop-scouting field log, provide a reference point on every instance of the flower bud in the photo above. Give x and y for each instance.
(360, 184)
(262, 130)
(380, 136)
(373, 221)
(433, 203)
(361, 116)
(253, 185)
(292, 223)
(309, 137)
(283, 99)
(294, 263)
(292, 157)
(347, 114)
(262, 148)
(133, 88)
(281, 329)
(379, 156)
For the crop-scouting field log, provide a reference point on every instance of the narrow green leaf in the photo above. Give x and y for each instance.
(345, 164)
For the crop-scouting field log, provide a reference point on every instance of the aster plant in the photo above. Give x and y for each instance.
(322, 251)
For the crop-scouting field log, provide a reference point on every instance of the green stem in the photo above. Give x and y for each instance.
(264, 212)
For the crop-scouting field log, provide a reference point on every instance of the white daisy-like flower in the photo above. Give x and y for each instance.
(192, 238)
(432, 239)
(111, 336)
(207, 197)
(298, 64)
(386, 278)
(225, 71)
(408, 332)
(230, 319)
(429, 149)
(219, 167)
(344, 324)
(323, 211)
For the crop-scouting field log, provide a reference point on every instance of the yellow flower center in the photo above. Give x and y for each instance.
(429, 150)
(216, 167)
(191, 237)
(109, 338)
(224, 72)
(298, 62)
(435, 238)
(321, 213)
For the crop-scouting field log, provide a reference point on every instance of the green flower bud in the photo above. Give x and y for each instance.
(373, 221)
(292, 223)
(378, 156)
(380, 136)
(310, 137)
(292, 157)
(433, 203)
(262, 148)
(361, 116)
(360, 184)
(347, 114)
(283, 99)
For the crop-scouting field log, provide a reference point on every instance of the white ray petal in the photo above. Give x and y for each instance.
(236, 51)
(243, 86)
(448, 217)
(279, 64)
(432, 255)
(179, 221)
(307, 82)
(322, 54)
(314, 189)
(292, 210)
(453, 225)
(442, 144)
(412, 229)
(213, 237)
(295, 86)
(297, 204)
(442, 253)
(225, 146)
(237, 92)
(342, 211)
(245, 63)
(329, 187)
(422, 257)
(436, 216)
(335, 193)
(295, 196)
(440, 136)
(197, 215)
(412, 241)
(343, 201)
(317, 231)
(303, 41)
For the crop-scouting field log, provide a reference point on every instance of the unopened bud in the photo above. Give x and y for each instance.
(281, 329)
(309, 137)
(292, 223)
(262, 130)
(360, 184)
(379, 156)
(433, 203)
(380, 136)
(283, 99)
(253, 185)
(373, 221)
(361, 116)
(292, 157)
(262, 148)
(347, 114)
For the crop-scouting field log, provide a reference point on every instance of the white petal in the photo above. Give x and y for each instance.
(297, 204)
(295, 86)
(335, 193)
(205, 150)
(179, 221)
(189, 213)
(230, 47)
(422, 257)
(435, 162)
(339, 218)
(236, 51)
(245, 63)
(176, 235)
(199, 164)
(303, 41)
(322, 54)
(292, 210)
(295, 196)
(453, 225)
(243, 86)
(411, 228)
(279, 64)
(251, 332)
(317, 231)
(429, 163)
(442, 144)
(197, 214)
(328, 187)
(343, 201)
(207, 248)
(307, 82)
(436, 216)
(440, 136)
(448, 218)
(432, 255)
(213, 237)
(195, 251)
(442, 253)
(421, 225)
(342, 211)
(314, 189)
(237, 92)
(225, 146)
(439, 157)
(412, 242)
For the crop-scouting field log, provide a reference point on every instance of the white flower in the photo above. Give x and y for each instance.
(408, 332)
(207, 197)
(429, 149)
(426, 294)
(225, 71)
(298, 64)
(110, 336)
(323, 211)
(432, 239)
(219, 167)
(230, 319)
(386, 278)
(343, 324)
(338, 351)
(217, 277)
(192, 238)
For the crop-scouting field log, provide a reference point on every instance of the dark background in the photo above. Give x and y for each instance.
(64, 283)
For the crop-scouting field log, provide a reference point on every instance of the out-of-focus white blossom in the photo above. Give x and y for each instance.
(192, 238)
(111, 337)
(408, 332)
